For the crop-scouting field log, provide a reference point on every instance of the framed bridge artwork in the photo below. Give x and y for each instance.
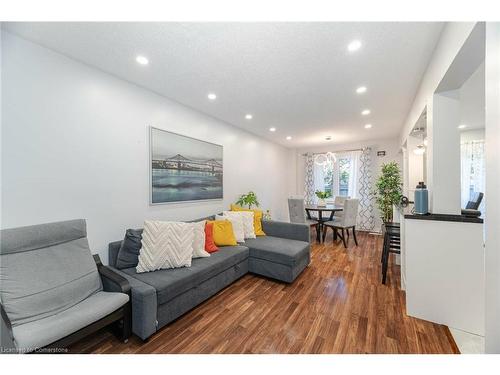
(183, 168)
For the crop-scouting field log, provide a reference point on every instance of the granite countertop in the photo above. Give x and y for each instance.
(445, 217)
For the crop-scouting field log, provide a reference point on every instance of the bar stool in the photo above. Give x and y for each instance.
(392, 244)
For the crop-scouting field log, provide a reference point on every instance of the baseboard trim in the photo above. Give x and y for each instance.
(403, 281)
(451, 340)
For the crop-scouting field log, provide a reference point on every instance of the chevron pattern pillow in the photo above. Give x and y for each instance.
(165, 244)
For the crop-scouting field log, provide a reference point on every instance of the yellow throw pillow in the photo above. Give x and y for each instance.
(257, 218)
(223, 233)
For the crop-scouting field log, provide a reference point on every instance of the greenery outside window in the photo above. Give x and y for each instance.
(337, 175)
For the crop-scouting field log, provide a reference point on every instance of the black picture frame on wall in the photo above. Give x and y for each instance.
(183, 169)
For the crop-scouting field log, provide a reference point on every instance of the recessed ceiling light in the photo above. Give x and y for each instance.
(368, 126)
(212, 96)
(366, 112)
(272, 129)
(361, 89)
(142, 60)
(288, 138)
(249, 116)
(463, 126)
(354, 46)
(328, 138)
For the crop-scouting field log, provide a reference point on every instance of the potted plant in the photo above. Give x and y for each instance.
(322, 195)
(249, 199)
(388, 191)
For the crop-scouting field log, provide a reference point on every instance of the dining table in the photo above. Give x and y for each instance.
(329, 208)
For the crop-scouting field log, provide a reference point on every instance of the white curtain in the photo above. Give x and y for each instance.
(472, 170)
(335, 178)
(354, 173)
(466, 167)
(319, 179)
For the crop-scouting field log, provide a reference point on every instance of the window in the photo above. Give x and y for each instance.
(344, 170)
(337, 175)
(472, 169)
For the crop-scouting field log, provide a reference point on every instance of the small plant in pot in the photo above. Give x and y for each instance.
(249, 199)
(389, 190)
(322, 195)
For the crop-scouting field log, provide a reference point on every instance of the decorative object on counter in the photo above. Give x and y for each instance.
(421, 199)
(388, 191)
(322, 195)
(249, 199)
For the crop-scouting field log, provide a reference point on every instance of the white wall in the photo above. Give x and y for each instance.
(452, 38)
(472, 135)
(416, 166)
(492, 220)
(75, 145)
(1, 126)
(472, 100)
(390, 146)
(444, 146)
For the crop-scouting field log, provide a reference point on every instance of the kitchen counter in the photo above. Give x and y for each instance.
(445, 217)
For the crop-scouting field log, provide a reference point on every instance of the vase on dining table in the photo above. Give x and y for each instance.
(321, 202)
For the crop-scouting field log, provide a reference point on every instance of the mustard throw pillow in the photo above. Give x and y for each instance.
(257, 218)
(223, 233)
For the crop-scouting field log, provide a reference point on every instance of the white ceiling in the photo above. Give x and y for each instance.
(297, 77)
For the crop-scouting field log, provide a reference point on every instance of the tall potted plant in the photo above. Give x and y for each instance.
(389, 190)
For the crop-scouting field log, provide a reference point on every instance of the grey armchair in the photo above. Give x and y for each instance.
(53, 292)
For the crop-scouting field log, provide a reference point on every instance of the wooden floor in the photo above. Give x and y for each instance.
(337, 305)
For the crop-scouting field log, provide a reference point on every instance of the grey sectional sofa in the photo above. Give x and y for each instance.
(162, 296)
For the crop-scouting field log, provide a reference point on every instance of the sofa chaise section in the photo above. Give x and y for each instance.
(283, 253)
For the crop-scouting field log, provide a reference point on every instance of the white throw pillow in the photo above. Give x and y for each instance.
(247, 218)
(165, 244)
(199, 240)
(237, 223)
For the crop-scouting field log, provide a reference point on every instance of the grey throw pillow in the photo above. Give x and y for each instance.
(128, 255)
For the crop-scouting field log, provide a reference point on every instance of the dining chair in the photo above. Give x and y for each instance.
(344, 223)
(297, 211)
(339, 201)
